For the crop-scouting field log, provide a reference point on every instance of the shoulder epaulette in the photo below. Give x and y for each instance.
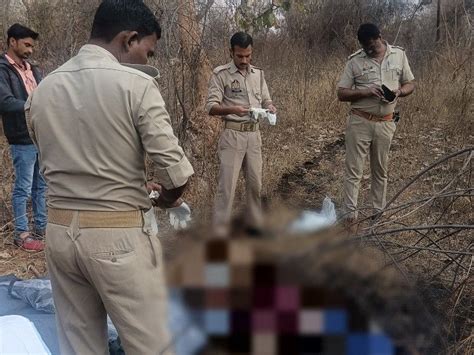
(254, 67)
(220, 68)
(399, 47)
(355, 53)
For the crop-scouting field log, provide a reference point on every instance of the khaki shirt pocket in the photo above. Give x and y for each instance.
(396, 74)
(234, 93)
(392, 77)
(366, 76)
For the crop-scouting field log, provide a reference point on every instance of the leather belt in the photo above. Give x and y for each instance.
(97, 219)
(242, 126)
(371, 117)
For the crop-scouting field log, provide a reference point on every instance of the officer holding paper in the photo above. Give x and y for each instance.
(237, 92)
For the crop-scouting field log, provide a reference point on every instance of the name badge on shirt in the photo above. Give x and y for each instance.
(235, 86)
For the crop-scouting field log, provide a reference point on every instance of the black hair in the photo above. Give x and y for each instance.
(367, 31)
(115, 16)
(18, 31)
(241, 39)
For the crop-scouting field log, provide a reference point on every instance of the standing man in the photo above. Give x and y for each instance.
(18, 79)
(234, 89)
(93, 120)
(370, 126)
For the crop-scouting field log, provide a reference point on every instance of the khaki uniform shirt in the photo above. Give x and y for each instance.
(93, 120)
(230, 87)
(362, 72)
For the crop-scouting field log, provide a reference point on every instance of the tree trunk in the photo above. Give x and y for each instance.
(198, 131)
(195, 119)
(438, 24)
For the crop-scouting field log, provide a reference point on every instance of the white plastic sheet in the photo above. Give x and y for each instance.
(188, 337)
(19, 336)
(312, 221)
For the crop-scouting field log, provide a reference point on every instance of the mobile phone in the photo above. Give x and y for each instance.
(388, 94)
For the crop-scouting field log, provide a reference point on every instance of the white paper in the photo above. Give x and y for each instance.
(18, 335)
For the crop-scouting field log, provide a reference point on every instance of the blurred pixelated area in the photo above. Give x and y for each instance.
(323, 294)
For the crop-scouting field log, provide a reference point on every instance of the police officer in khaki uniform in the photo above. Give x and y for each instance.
(370, 126)
(234, 89)
(93, 120)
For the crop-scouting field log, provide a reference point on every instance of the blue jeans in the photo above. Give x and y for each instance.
(28, 182)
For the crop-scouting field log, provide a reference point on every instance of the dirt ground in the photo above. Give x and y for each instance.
(319, 173)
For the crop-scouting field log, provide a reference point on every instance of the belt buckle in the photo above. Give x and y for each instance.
(247, 127)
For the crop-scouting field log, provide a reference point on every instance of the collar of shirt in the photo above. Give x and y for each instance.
(92, 49)
(388, 51)
(16, 65)
(233, 68)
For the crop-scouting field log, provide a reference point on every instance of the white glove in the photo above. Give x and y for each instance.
(180, 216)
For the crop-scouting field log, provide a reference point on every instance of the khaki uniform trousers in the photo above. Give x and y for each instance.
(364, 137)
(114, 271)
(236, 150)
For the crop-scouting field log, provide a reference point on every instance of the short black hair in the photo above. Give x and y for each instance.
(241, 39)
(367, 31)
(115, 16)
(18, 31)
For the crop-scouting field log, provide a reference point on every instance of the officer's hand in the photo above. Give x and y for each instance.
(374, 91)
(153, 186)
(272, 108)
(241, 110)
(154, 191)
(397, 94)
(160, 203)
(157, 202)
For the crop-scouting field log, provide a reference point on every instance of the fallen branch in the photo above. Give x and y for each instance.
(424, 171)
(415, 228)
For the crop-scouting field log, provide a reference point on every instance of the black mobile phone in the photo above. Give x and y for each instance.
(388, 94)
